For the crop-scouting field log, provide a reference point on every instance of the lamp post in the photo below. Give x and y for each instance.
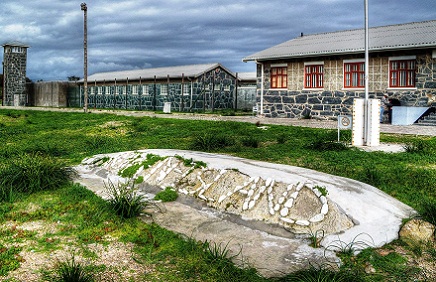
(85, 57)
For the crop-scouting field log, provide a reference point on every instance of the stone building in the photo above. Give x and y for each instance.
(185, 88)
(320, 75)
(14, 74)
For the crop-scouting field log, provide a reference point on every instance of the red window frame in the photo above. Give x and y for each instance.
(354, 75)
(279, 77)
(402, 73)
(314, 76)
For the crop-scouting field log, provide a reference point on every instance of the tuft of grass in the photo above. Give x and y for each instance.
(323, 273)
(70, 271)
(316, 238)
(251, 142)
(125, 199)
(211, 141)
(428, 210)
(34, 172)
(167, 195)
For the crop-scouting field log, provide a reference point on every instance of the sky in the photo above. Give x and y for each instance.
(137, 34)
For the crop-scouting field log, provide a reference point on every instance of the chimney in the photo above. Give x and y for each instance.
(301, 34)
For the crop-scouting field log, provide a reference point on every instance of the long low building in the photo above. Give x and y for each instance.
(320, 75)
(185, 88)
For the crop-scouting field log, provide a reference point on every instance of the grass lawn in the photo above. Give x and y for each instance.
(67, 138)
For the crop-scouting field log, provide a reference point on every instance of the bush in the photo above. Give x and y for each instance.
(167, 195)
(34, 172)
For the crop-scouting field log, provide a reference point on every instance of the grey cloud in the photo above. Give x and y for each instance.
(127, 34)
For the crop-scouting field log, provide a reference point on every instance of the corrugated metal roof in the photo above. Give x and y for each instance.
(392, 37)
(160, 73)
(247, 76)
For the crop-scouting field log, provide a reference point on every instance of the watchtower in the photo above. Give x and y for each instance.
(14, 74)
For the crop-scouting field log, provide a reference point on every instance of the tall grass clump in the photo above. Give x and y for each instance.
(125, 199)
(323, 273)
(428, 210)
(69, 271)
(211, 141)
(34, 172)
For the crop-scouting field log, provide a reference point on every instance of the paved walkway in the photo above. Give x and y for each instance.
(385, 128)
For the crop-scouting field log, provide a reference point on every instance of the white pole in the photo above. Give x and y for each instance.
(262, 88)
(366, 127)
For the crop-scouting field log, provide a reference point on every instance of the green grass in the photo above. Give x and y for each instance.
(37, 144)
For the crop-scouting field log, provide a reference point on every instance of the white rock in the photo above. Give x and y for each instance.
(202, 197)
(277, 207)
(294, 195)
(271, 211)
(325, 209)
(253, 186)
(290, 186)
(289, 203)
(302, 222)
(256, 197)
(262, 189)
(245, 206)
(270, 189)
(256, 179)
(323, 200)
(317, 192)
(317, 218)
(217, 178)
(183, 191)
(270, 197)
(250, 193)
(281, 200)
(237, 188)
(222, 198)
(251, 204)
(284, 212)
(223, 171)
(287, 220)
(285, 193)
(268, 182)
(272, 183)
(300, 186)
(244, 192)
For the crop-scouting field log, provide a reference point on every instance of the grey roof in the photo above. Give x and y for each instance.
(384, 38)
(15, 44)
(160, 73)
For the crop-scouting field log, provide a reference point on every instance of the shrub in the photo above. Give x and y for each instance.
(34, 172)
(125, 199)
(167, 195)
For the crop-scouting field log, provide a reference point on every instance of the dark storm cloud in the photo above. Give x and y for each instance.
(143, 33)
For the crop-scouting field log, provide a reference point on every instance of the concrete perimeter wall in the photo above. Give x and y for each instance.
(50, 94)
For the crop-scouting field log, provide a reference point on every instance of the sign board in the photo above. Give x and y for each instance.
(345, 122)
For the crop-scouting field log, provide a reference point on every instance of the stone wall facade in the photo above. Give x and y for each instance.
(334, 99)
(14, 71)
